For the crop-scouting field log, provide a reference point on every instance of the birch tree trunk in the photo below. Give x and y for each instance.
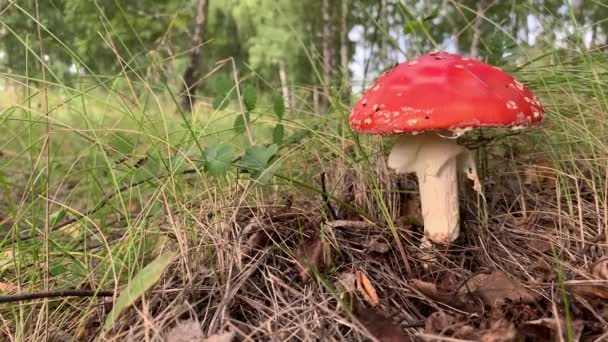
(284, 85)
(327, 48)
(193, 71)
(477, 24)
(344, 52)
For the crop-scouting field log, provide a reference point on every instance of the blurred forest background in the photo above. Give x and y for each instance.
(307, 49)
(212, 136)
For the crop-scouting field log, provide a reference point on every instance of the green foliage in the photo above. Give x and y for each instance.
(250, 97)
(278, 133)
(218, 159)
(221, 102)
(278, 106)
(239, 124)
(256, 161)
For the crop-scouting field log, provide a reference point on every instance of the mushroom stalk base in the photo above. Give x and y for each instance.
(436, 161)
(439, 203)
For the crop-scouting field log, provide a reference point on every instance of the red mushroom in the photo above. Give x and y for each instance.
(437, 94)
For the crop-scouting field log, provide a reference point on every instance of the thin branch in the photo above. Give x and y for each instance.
(56, 294)
(330, 209)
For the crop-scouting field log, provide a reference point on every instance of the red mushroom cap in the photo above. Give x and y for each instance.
(444, 91)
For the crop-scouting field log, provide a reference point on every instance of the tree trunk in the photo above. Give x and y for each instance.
(327, 49)
(284, 85)
(344, 52)
(193, 71)
(316, 105)
(477, 24)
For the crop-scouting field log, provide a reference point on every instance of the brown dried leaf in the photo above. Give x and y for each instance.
(600, 268)
(452, 299)
(348, 280)
(379, 246)
(366, 289)
(541, 173)
(314, 254)
(186, 331)
(496, 287)
(500, 330)
(8, 288)
(550, 328)
(227, 336)
(438, 322)
(380, 325)
(590, 290)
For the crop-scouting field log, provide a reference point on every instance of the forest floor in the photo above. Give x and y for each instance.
(187, 248)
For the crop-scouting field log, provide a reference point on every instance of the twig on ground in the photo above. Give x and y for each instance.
(56, 294)
(330, 209)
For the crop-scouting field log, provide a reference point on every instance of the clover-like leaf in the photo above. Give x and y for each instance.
(221, 102)
(250, 97)
(278, 106)
(218, 158)
(257, 161)
(278, 133)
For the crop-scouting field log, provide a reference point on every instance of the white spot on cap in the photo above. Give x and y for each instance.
(376, 87)
(518, 127)
(396, 114)
(412, 122)
(458, 66)
(375, 107)
(535, 112)
(364, 102)
(527, 99)
(518, 85)
(368, 121)
(466, 59)
(414, 62)
(399, 94)
(511, 104)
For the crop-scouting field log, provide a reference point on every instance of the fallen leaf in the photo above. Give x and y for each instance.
(227, 336)
(380, 325)
(497, 287)
(600, 268)
(185, 331)
(590, 290)
(8, 288)
(366, 289)
(348, 280)
(493, 289)
(191, 331)
(541, 173)
(379, 246)
(551, 328)
(500, 330)
(438, 322)
(314, 254)
(451, 299)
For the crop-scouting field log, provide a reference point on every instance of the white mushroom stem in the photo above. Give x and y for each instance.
(436, 161)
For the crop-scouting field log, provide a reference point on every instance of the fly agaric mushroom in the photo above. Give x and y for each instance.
(427, 98)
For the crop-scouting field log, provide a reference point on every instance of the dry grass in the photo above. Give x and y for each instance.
(238, 272)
